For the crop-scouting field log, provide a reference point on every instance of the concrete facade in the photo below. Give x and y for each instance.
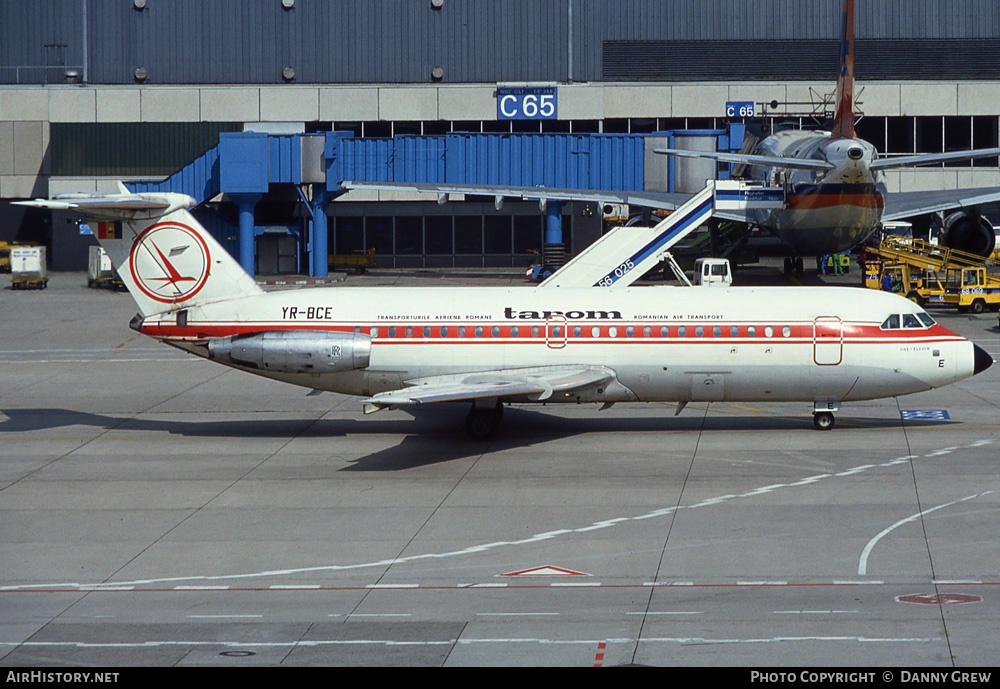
(27, 111)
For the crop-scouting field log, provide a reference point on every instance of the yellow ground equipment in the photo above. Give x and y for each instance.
(361, 261)
(931, 274)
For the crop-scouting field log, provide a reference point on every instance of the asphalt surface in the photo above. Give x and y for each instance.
(157, 509)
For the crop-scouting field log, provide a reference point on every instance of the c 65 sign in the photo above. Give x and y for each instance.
(526, 102)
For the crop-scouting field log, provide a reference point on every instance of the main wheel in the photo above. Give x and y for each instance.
(823, 420)
(483, 424)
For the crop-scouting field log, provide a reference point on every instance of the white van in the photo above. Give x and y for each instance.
(712, 272)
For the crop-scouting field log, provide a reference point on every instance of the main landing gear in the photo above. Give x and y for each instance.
(823, 415)
(794, 265)
(483, 421)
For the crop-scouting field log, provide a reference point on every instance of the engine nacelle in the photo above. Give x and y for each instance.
(294, 351)
(969, 232)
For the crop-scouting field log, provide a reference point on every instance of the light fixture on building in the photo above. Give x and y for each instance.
(140, 74)
(288, 73)
(72, 76)
(437, 4)
(139, 4)
(437, 73)
(287, 4)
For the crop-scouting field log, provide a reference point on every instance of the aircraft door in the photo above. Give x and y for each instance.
(555, 331)
(828, 341)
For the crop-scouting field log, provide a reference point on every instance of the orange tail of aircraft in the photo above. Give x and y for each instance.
(843, 123)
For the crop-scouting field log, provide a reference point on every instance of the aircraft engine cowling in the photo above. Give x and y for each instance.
(294, 351)
(969, 232)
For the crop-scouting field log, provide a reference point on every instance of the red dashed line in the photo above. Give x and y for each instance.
(599, 656)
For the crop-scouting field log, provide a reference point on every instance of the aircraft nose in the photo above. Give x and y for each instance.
(982, 361)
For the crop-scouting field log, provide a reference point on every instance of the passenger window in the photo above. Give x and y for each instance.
(427, 331)
(495, 331)
(461, 331)
(444, 331)
(786, 331)
(577, 331)
(664, 331)
(514, 331)
(595, 332)
(734, 331)
(612, 331)
(699, 331)
(535, 331)
(751, 331)
(681, 331)
(374, 332)
(629, 331)
(716, 331)
(891, 323)
(769, 331)
(479, 332)
(647, 331)
(409, 331)
(392, 331)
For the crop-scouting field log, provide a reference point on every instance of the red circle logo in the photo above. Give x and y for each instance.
(169, 262)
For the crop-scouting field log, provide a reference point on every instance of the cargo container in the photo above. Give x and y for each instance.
(27, 267)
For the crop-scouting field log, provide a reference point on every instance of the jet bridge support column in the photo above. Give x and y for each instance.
(319, 261)
(245, 241)
(553, 250)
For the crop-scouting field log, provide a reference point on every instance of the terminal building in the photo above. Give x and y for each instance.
(561, 93)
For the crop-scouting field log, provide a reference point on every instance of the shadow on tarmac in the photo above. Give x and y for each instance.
(437, 435)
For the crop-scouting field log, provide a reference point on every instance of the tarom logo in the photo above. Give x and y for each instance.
(169, 262)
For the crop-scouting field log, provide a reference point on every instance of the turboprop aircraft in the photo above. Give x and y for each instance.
(488, 346)
(834, 194)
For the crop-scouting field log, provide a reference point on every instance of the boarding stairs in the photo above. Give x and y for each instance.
(625, 254)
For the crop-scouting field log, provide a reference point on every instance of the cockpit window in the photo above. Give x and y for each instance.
(907, 320)
(891, 323)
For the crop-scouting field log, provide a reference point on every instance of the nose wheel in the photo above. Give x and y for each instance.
(823, 420)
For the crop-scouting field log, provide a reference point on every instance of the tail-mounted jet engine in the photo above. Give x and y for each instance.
(968, 231)
(294, 351)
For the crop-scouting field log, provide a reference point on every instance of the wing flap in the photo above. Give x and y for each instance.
(535, 384)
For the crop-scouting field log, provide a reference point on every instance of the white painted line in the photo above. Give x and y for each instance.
(293, 587)
(203, 588)
(223, 617)
(762, 583)
(571, 584)
(863, 562)
(815, 612)
(392, 586)
(677, 612)
(518, 614)
(380, 614)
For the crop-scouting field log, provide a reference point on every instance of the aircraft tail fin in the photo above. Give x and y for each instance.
(843, 122)
(165, 257)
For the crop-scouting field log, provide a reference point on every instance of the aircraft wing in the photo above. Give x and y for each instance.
(646, 199)
(749, 159)
(906, 204)
(535, 384)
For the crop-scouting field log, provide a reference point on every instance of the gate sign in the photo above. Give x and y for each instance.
(739, 108)
(526, 102)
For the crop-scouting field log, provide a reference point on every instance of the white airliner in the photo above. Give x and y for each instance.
(834, 194)
(489, 346)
